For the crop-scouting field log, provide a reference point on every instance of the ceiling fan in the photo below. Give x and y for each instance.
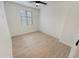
(39, 2)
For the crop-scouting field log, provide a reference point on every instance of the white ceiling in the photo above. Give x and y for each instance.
(27, 3)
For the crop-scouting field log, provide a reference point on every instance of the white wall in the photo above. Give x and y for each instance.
(52, 18)
(5, 39)
(14, 19)
(61, 20)
(71, 25)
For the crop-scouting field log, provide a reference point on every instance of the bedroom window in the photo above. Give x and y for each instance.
(26, 17)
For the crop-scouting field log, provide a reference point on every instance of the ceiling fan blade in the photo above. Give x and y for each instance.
(42, 2)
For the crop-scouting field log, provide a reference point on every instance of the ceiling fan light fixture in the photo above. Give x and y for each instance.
(37, 4)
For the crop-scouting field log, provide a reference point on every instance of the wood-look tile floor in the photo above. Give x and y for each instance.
(38, 45)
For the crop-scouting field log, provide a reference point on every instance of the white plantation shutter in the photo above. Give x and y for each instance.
(26, 17)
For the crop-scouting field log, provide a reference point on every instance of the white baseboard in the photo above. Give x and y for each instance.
(23, 33)
(49, 34)
(64, 42)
